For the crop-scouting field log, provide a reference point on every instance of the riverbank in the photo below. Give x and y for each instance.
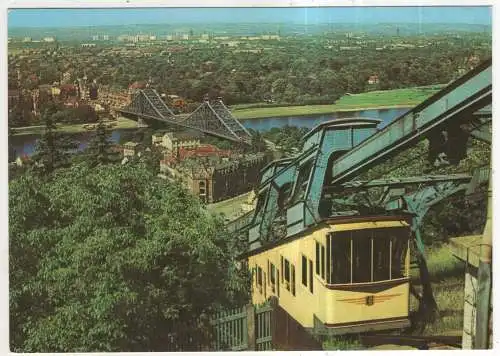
(122, 123)
(374, 100)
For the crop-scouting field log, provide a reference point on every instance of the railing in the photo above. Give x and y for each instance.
(246, 328)
(230, 330)
(263, 330)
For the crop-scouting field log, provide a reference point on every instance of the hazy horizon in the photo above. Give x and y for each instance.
(85, 17)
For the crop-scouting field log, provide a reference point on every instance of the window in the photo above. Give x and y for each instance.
(304, 270)
(366, 255)
(322, 261)
(328, 261)
(341, 258)
(311, 276)
(283, 195)
(302, 181)
(282, 269)
(287, 274)
(269, 272)
(260, 203)
(265, 291)
(201, 187)
(317, 258)
(361, 254)
(398, 253)
(272, 277)
(381, 257)
(259, 279)
(278, 282)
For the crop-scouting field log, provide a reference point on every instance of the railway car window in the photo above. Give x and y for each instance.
(317, 258)
(265, 294)
(278, 283)
(261, 199)
(302, 181)
(340, 245)
(322, 261)
(287, 274)
(268, 272)
(259, 279)
(282, 269)
(381, 257)
(328, 260)
(304, 270)
(272, 277)
(293, 279)
(398, 251)
(361, 254)
(377, 255)
(311, 276)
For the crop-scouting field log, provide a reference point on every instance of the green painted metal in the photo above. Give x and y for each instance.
(457, 101)
(335, 152)
(418, 203)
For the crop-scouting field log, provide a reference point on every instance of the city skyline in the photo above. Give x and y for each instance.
(61, 18)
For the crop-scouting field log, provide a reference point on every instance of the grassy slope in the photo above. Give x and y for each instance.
(370, 100)
(447, 276)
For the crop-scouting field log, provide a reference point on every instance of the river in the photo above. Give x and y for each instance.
(25, 144)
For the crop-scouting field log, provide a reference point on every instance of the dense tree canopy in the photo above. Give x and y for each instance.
(112, 259)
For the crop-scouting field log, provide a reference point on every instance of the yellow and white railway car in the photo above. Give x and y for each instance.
(343, 275)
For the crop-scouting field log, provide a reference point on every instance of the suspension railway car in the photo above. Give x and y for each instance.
(344, 275)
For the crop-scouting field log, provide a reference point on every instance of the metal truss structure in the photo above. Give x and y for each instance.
(216, 119)
(301, 189)
(210, 118)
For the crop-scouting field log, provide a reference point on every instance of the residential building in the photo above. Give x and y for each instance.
(157, 139)
(373, 79)
(174, 140)
(131, 149)
(214, 178)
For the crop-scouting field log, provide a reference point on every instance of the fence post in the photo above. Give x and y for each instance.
(251, 327)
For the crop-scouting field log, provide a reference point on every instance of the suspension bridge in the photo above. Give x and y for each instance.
(212, 118)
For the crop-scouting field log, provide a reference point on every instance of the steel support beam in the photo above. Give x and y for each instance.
(460, 99)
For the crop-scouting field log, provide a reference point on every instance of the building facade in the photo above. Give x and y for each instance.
(172, 141)
(213, 179)
(131, 149)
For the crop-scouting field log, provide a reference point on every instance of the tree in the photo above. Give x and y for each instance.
(113, 259)
(100, 150)
(152, 158)
(52, 150)
(258, 143)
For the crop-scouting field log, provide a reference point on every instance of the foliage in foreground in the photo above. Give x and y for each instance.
(347, 342)
(111, 259)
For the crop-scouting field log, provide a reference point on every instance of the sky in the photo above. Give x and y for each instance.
(102, 17)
